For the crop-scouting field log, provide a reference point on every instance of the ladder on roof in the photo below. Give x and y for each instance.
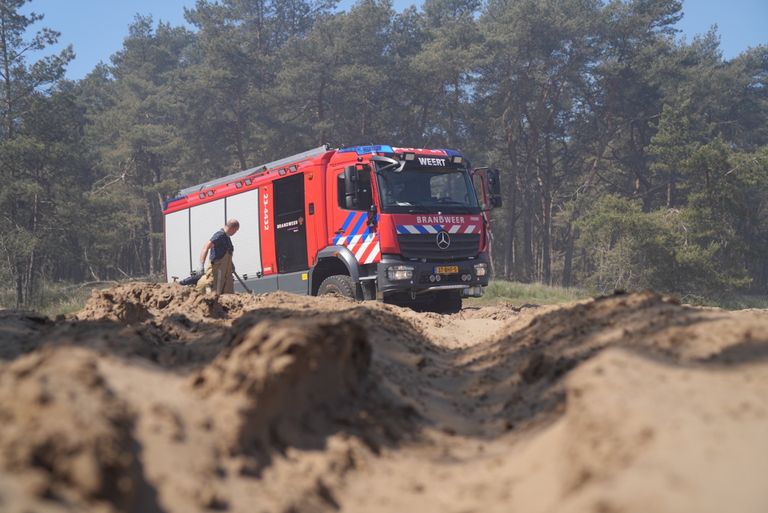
(248, 172)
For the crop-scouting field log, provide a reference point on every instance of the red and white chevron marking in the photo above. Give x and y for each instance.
(416, 229)
(366, 249)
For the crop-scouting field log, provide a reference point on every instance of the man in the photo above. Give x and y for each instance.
(219, 274)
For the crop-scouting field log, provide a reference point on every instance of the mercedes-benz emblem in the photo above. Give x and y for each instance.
(443, 240)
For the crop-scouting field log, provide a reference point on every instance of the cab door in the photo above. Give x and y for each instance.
(290, 224)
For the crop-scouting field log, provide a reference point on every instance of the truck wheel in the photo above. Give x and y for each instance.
(448, 302)
(340, 284)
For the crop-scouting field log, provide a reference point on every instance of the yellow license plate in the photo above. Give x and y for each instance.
(447, 269)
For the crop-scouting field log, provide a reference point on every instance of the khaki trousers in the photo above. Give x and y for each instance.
(218, 277)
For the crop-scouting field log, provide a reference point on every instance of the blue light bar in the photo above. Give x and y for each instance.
(453, 153)
(364, 150)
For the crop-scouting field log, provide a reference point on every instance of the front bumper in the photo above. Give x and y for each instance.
(420, 283)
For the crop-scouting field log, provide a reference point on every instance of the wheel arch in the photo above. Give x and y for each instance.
(333, 260)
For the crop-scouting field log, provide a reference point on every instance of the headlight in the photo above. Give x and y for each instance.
(481, 269)
(399, 272)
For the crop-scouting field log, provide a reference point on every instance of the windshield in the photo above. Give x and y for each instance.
(427, 190)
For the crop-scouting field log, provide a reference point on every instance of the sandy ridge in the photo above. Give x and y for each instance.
(156, 398)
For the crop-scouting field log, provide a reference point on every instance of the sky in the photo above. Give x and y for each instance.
(96, 28)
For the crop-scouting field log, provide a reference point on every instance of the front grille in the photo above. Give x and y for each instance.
(420, 245)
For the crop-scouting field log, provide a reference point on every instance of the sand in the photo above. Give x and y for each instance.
(155, 398)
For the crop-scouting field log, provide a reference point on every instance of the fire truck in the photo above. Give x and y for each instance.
(404, 225)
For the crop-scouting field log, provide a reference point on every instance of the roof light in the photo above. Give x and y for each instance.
(457, 159)
(239, 185)
(210, 193)
(248, 181)
(282, 172)
(363, 150)
(293, 168)
(201, 195)
(408, 157)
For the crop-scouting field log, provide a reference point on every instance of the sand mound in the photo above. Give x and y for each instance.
(278, 374)
(133, 303)
(641, 435)
(64, 436)
(156, 398)
(19, 332)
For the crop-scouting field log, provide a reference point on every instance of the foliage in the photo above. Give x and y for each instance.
(678, 250)
(630, 159)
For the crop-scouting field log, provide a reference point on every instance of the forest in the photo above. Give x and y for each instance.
(630, 157)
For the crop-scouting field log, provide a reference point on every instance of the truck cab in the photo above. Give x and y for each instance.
(412, 223)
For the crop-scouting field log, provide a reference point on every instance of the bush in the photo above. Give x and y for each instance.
(684, 251)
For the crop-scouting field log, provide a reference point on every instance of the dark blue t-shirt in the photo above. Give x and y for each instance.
(222, 245)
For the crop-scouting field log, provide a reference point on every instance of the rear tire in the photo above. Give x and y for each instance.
(340, 284)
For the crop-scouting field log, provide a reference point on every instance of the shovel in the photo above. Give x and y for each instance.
(241, 281)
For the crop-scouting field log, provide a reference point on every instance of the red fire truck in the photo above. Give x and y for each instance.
(404, 225)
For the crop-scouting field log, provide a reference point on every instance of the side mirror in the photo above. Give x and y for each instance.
(494, 188)
(488, 187)
(350, 187)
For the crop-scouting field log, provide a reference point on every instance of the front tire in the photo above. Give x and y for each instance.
(340, 284)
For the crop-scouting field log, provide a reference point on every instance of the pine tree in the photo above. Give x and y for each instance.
(24, 173)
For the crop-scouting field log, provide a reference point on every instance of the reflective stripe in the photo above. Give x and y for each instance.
(347, 221)
(406, 229)
(340, 237)
(353, 241)
(375, 252)
(360, 252)
(359, 223)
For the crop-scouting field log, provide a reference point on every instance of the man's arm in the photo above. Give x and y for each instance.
(204, 254)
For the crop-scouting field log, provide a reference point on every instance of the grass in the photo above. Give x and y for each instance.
(517, 294)
(60, 298)
(54, 299)
(66, 302)
(738, 302)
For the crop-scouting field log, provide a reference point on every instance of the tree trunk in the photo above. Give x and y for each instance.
(568, 258)
(671, 189)
(150, 239)
(19, 287)
(528, 243)
(8, 91)
(545, 182)
(239, 146)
